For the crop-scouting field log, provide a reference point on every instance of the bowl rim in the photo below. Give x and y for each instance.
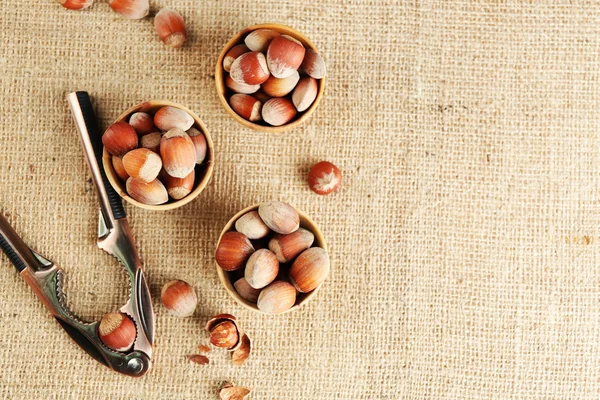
(220, 76)
(305, 222)
(116, 182)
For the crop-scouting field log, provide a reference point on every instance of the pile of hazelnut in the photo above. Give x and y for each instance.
(156, 155)
(275, 256)
(264, 75)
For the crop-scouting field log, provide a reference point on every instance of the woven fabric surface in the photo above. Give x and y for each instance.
(465, 244)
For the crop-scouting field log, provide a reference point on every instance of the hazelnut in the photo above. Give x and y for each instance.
(233, 251)
(151, 193)
(305, 93)
(117, 163)
(246, 291)
(287, 247)
(251, 225)
(170, 27)
(142, 122)
(278, 111)
(261, 96)
(76, 4)
(284, 55)
(313, 64)
(119, 139)
(240, 87)
(246, 106)
(324, 178)
(279, 216)
(117, 331)
(276, 298)
(260, 39)
(142, 164)
(250, 69)
(151, 141)
(199, 144)
(279, 87)
(310, 269)
(131, 9)
(179, 298)
(178, 188)
(261, 268)
(232, 54)
(168, 117)
(178, 153)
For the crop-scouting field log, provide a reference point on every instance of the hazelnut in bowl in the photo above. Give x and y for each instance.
(158, 155)
(270, 77)
(272, 258)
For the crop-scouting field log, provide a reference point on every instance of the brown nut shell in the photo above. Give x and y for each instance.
(278, 111)
(241, 354)
(231, 392)
(260, 39)
(76, 4)
(142, 122)
(217, 319)
(179, 298)
(310, 269)
(261, 268)
(170, 27)
(276, 298)
(233, 251)
(199, 141)
(246, 106)
(251, 225)
(279, 217)
(151, 141)
(130, 9)
(250, 69)
(151, 193)
(168, 117)
(287, 247)
(232, 54)
(198, 359)
(178, 188)
(240, 87)
(313, 64)
(305, 93)
(117, 331)
(178, 153)
(142, 164)
(284, 56)
(119, 139)
(117, 163)
(246, 291)
(279, 87)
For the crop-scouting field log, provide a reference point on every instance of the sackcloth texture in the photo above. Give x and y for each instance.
(465, 242)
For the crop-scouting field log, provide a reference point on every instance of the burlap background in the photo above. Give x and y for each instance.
(465, 242)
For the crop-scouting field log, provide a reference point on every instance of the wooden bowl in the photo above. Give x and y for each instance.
(203, 171)
(222, 90)
(225, 277)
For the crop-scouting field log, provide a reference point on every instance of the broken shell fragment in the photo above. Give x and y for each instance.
(230, 392)
(198, 359)
(241, 354)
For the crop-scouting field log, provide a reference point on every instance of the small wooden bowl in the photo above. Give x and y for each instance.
(224, 276)
(203, 171)
(222, 90)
